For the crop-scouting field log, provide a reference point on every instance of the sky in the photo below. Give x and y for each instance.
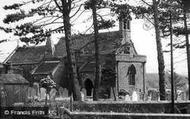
(143, 39)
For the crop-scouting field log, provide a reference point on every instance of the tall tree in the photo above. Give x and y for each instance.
(161, 65)
(98, 24)
(97, 70)
(65, 8)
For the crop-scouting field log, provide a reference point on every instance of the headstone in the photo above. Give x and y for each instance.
(53, 94)
(82, 96)
(60, 91)
(42, 93)
(134, 96)
(36, 88)
(127, 98)
(65, 93)
(3, 97)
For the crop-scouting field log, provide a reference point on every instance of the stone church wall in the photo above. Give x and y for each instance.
(123, 77)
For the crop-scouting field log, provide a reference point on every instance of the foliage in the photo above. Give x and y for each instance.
(175, 8)
(43, 15)
(108, 77)
(47, 83)
(165, 8)
(13, 6)
(27, 28)
(102, 22)
(15, 17)
(179, 83)
(99, 4)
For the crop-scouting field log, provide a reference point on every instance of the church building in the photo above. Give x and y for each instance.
(117, 52)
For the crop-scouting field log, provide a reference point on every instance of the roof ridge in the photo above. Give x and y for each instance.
(31, 46)
(10, 55)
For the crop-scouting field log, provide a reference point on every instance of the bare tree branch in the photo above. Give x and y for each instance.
(78, 16)
(146, 3)
(51, 23)
(58, 5)
(38, 20)
(77, 11)
(1, 41)
(88, 29)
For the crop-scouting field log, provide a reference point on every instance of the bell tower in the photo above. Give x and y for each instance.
(125, 29)
(130, 65)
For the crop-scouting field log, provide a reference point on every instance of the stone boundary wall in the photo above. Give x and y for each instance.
(131, 107)
(66, 114)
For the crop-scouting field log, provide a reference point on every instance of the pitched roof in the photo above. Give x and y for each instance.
(109, 41)
(13, 79)
(45, 68)
(26, 55)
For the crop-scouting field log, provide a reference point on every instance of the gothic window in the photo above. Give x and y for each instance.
(131, 74)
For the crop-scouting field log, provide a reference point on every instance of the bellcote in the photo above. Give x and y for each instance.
(125, 29)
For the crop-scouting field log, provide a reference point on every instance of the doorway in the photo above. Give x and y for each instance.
(88, 86)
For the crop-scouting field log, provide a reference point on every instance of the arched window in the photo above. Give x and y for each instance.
(131, 74)
(126, 24)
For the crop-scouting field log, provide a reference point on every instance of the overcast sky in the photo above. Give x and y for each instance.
(144, 41)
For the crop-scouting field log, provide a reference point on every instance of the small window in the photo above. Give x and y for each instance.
(126, 24)
(127, 50)
(131, 74)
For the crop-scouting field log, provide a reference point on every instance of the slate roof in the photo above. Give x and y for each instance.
(45, 68)
(27, 55)
(13, 79)
(109, 42)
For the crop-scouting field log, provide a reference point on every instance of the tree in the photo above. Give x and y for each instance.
(179, 8)
(97, 75)
(52, 12)
(48, 84)
(98, 24)
(109, 79)
(66, 9)
(179, 83)
(160, 57)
